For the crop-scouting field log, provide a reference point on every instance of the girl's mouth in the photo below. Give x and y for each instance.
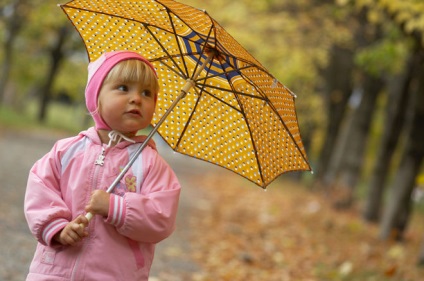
(135, 112)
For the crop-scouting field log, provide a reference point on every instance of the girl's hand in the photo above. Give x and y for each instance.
(99, 203)
(73, 232)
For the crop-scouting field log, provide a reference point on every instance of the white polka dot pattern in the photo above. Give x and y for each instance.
(237, 115)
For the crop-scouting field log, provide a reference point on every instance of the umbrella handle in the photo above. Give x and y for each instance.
(89, 216)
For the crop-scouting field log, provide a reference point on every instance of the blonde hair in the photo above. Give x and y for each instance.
(134, 70)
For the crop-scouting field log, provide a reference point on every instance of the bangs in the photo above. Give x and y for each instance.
(134, 70)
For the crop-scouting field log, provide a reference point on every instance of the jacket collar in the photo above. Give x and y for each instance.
(91, 133)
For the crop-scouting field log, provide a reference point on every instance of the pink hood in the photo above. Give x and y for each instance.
(97, 72)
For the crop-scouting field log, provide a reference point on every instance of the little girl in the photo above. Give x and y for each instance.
(119, 242)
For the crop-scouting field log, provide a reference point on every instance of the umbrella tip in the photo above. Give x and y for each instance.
(293, 94)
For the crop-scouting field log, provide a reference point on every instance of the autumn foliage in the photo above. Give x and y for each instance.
(289, 233)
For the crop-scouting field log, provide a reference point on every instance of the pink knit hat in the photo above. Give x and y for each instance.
(97, 72)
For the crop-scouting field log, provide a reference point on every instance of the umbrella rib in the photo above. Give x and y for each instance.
(236, 92)
(202, 90)
(195, 71)
(226, 73)
(241, 111)
(176, 38)
(171, 57)
(170, 67)
(238, 70)
(197, 102)
(204, 52)
(147, 27)
(245, 118)
(188, 122)
(271, 105)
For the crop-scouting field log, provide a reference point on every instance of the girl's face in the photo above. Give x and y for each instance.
(126, 106)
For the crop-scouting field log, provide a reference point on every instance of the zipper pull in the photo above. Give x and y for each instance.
(100, 160)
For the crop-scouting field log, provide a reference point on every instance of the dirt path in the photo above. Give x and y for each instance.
(19, 151)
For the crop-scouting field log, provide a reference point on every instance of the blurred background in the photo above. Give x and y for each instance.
(357, 68)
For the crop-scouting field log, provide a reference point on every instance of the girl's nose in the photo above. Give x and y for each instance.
(135, 97)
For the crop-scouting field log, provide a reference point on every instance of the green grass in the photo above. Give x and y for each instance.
(13, 119)
(71, 119)
(60, 118)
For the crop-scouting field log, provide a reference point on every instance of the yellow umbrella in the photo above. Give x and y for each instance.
(217, 102)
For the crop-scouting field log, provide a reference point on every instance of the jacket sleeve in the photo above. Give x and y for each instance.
(45, 211)
(148, 217)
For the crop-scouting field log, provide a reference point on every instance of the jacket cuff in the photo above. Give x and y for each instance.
(117, 210)
(51, 229)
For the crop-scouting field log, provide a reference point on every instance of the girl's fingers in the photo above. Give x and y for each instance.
(81, 219)
(71, 239)
(80, 230)
(77, 228)
(77, 236)
(80, 223)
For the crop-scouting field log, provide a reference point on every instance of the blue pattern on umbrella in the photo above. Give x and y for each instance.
(228, 65)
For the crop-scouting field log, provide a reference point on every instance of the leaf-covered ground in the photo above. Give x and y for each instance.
(230, 229)
(290, 233)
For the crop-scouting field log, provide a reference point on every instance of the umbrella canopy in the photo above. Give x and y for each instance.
(217, 102)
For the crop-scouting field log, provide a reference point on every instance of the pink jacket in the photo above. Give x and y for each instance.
(142, 211)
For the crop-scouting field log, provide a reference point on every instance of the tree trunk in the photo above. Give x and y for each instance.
(421, 256)
(341, 143)
(13, 26)
(349, 170)
(364, 36)
(337, 78)
(395, 118)
(7, 64)
(409, 167)
(56, 56)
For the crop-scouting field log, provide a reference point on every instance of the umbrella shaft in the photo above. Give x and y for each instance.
(189, 84)
(143, 145)
(203, 65)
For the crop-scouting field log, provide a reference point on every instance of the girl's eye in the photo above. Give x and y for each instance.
(146, 93)
(122, 88)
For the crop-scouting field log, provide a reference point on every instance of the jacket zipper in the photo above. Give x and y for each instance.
(97, 165)
(101, 158)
